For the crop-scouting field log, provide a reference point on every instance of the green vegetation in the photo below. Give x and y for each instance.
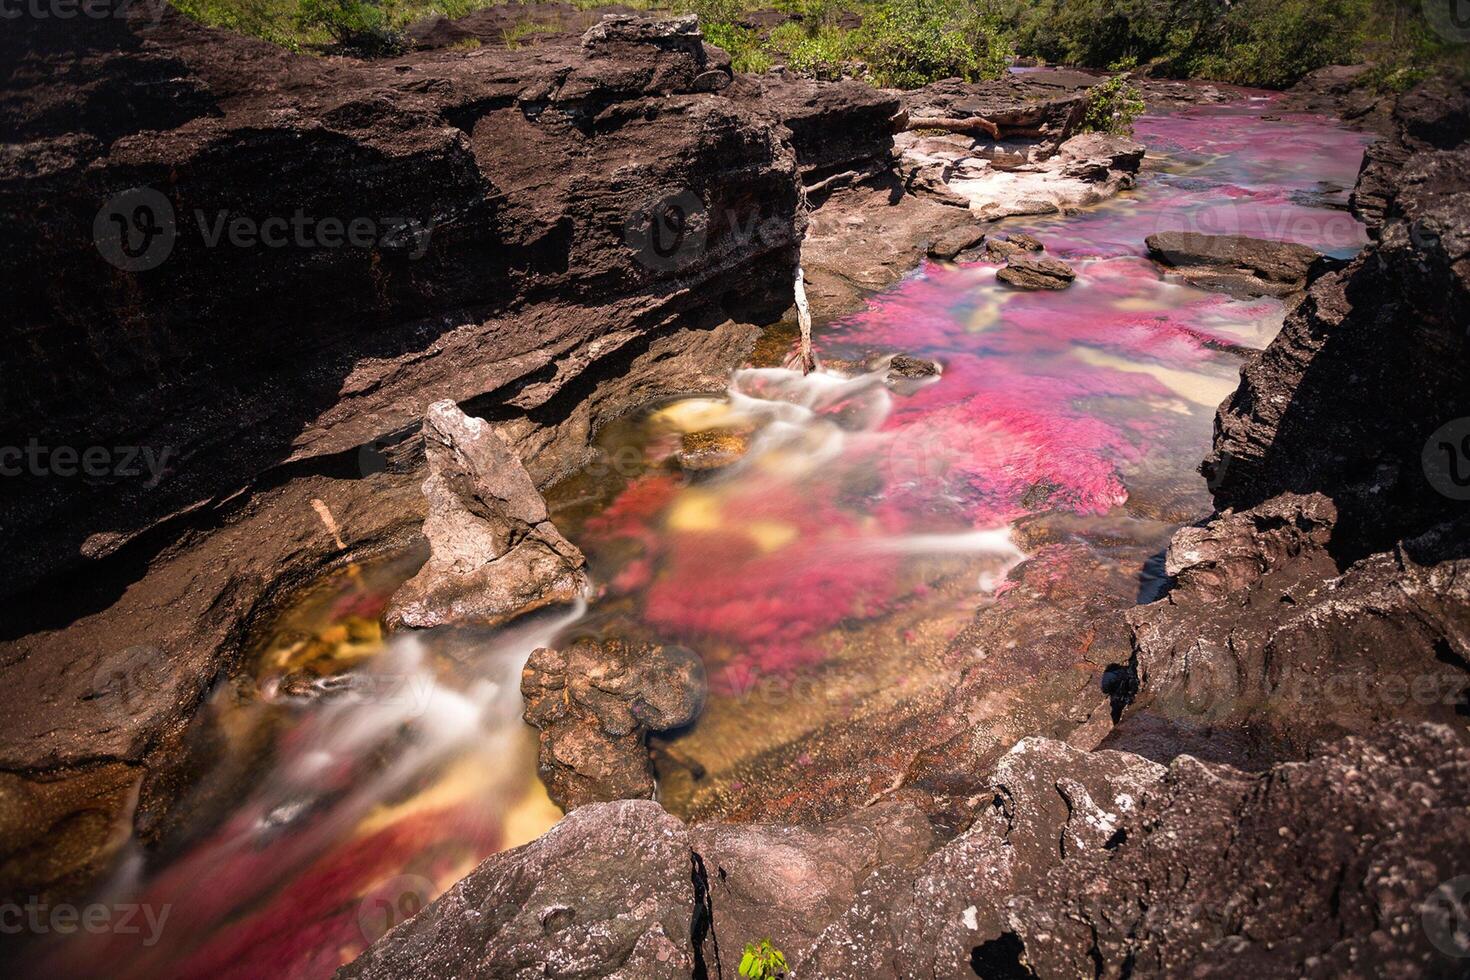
(762, 961)
(906, 43)
(1112, 107)
(1270, 43)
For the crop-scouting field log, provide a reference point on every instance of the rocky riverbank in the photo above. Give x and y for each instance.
(552, 237)
(263, 268)
(1280, 758)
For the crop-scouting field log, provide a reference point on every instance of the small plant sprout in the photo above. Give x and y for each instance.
(762, 961)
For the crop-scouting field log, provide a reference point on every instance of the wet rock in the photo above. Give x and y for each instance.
(1234, 264)
(910, 368)
(957, 240)
(712, 449)
(493, 552)
(1358, 395)
(594, 703)
(1000, 248)
(788, 883)
(1085, 170)
(1024, 271)
(607, 892)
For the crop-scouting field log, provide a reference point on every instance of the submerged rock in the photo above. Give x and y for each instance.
(1234, 264)
(1025, 271)
(999, 248)
(608, 892)
(712, 449)
(595, 702)
(493, 552)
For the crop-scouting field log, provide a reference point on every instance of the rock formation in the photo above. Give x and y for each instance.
(1359, 395)
(324, 247)
(1024, 271)
(1084, 170)
(608, 892)
(594, 702)
(1078, 864)
(1234, 264)
(493, 552)
(515, 263)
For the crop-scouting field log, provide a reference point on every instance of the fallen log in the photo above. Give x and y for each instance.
(969, 125)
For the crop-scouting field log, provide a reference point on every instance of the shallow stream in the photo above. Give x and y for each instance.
(849, 530)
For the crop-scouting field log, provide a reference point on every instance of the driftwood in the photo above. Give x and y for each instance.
(969, 125)
(804, 319)
(826, 183)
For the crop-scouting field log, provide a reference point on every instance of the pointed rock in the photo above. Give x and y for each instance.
(493, 552)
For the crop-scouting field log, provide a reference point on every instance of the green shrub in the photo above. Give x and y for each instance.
(823, 56)
(741, 43)
(359, 26)
(1272, 43)
(785, 37)
(909, 43)
(762, 961)
(1112, 107)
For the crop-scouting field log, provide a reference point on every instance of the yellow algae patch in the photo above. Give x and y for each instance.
(695, 414)
(533, 815)
(694, 510)
(1140, 304)
(1201, 389)
(771, 535)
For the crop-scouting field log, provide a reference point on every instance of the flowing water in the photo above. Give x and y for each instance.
(854, 525)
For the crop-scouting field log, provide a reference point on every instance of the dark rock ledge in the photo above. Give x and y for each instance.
(1078, 864)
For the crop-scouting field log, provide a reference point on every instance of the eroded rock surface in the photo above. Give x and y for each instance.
(594, 702)
(608, 892)
(1077, 863)
(1084, 170)
(493, 552)
(1263, 637)
(508, 255)
(1360, 394)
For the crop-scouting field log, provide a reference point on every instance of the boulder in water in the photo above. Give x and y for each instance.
(1036, 272)
(1234, 264)
(594, 702)
(493, 552)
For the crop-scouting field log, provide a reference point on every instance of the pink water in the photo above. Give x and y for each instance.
(1094, 403)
